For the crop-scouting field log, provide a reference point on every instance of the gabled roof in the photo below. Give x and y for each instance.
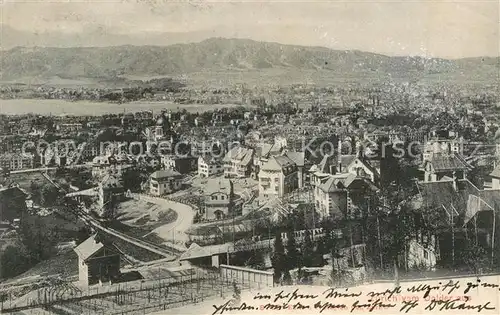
(298, 158)
(347, 159)
(165, 174)
(196, 251)
(244, 155)
(210, 160)
(337, 182)
(263, 150)
(496, 172)
(326, 162)
(446, 162)
(276, 148)
(278, 163)
(366, 164)
(435, 195)
(218, 185)
(332, 184)
(491, 198)
(88, 248)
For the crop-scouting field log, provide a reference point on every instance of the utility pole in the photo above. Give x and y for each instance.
(453, 236)
(379, 242)
(493, 238)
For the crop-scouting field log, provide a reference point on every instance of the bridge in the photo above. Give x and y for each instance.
(255, 244)
(165, 251)
(45, 169)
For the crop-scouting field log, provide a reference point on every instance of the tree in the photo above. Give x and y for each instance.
(331, 245)
(38, 238)
(287, 278)
(45, 194)
(279, 258)
(132, 179)
(292, 252)
(307, 250)
(476, 258)
(397, 223)
(13, 262)
(81, 178)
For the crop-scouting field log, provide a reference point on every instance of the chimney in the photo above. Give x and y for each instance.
(332, 169)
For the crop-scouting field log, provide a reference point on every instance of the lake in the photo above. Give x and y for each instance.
(80, 108)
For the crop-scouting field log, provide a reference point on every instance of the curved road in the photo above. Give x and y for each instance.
(175, 232)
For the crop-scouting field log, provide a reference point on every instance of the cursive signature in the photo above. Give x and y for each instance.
(454, 305)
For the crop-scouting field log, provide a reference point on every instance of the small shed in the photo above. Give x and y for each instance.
(97, 262)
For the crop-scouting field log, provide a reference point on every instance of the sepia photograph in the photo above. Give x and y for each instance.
(173, 157)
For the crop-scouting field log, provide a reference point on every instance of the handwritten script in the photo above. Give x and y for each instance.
(436, 296)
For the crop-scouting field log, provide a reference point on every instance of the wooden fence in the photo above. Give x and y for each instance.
(246, 276)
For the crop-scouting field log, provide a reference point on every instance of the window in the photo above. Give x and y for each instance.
(214, 197)
(221, 197)
(276, 188)
(426, 254)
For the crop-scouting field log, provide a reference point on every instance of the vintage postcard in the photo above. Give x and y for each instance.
(249, 157)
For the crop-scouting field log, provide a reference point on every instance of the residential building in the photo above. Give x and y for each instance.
(278, 177)
(495, 178)
(97, 263)
(219, 198)
(238, 162)
(208, 166)
(198, 121)
(16, 161)
(299, 158)
(181, 164)
(342, 195)
(458, 204)
(109, 164)
(165, 182)
(52, 156)
(68, 128)
(443, 147)
(264, 151)
(163, 129)
(422, 253)
(88, 152)
(362, 168)
(330, 165)
(441, 166)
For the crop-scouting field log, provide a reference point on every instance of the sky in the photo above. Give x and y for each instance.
(438, 28)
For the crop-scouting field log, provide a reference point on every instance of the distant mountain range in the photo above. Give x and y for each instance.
(232, 55)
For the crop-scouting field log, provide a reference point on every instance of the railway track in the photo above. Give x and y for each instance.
(165, 251)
